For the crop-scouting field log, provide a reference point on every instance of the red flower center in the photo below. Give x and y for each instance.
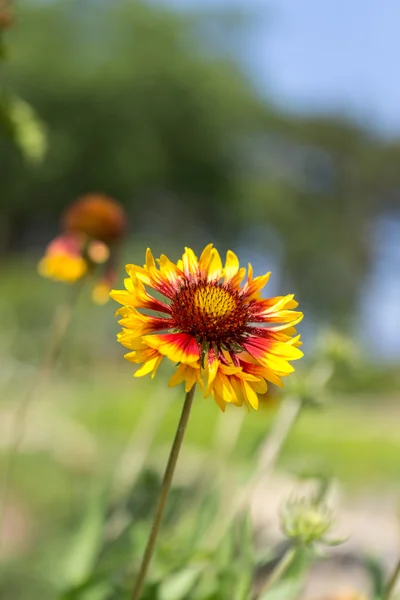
(212, 312)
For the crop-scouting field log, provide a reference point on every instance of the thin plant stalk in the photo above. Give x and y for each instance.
(164, 492)
(58, 328)
(282, 426)
(225, 438)
(279, 570)
(392, 583)
(224, 442)
(132, 459)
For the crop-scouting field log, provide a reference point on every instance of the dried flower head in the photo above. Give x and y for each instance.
(219, 333)
(96, 216)
(6, 14)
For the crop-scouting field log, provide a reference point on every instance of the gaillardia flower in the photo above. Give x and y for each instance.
(92, 226)
(96, 216)
(6, 14)
(219, 333)
(63, 260)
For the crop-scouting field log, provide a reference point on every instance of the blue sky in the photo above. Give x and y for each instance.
(325, 54)
(337, 53)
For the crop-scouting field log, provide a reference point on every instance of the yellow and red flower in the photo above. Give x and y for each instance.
(92, 227)
(222, 334)
(63, 260)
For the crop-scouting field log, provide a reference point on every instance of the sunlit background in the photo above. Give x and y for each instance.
(270, 128)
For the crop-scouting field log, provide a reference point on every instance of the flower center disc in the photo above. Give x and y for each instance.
(213, 313)
(214, 302)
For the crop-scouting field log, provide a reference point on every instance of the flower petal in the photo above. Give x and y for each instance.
(190, 264)
(250, 394)
(150, 262)
(170, 272)
(212, 366)
(262, 372)
(137, 296)
(214, 271)
(238, 389)
(150, 366)
(223, 388)
(261, 349)
(231, 266)
(178, 347)
(142, 324)
(204, 261)
(141, 273)
(149, 275)
(236, 280)
(252, 288)
(187, 373)
(264, 307)
(62, 267)
(220, 401)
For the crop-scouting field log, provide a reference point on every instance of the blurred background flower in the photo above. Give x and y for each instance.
(97, 217)
(6, 14)
(93, 227)
(306, 521)
(63, 260)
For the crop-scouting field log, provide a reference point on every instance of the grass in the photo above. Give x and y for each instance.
(80, 423)
(356, 442)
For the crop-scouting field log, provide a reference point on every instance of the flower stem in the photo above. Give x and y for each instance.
(164, 492)
(58, 328)
(282, 426)
(279, 570)
(391, 585)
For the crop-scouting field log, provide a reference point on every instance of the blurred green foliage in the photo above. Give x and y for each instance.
(20, 123)
(147, 104)
(87, 475)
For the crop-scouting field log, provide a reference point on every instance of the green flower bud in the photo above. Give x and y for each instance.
(306, 521)
(337, 347)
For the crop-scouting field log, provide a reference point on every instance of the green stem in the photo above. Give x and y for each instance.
(58, 328)
(391, 585)
(282, 426)
(164, 492)
(279, 570)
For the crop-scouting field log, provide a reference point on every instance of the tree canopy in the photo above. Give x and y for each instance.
(137, 103)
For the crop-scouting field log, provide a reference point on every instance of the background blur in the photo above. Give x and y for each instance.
(271, 128)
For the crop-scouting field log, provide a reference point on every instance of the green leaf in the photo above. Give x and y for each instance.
(245, 571)
(243, 585)
(205, 514)
(23, 126)
(178, 585)
(285, 590)
(226, 549)
(96, 592)
(377, 574)
(86, 543)
(3, 51)
(246, 540)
